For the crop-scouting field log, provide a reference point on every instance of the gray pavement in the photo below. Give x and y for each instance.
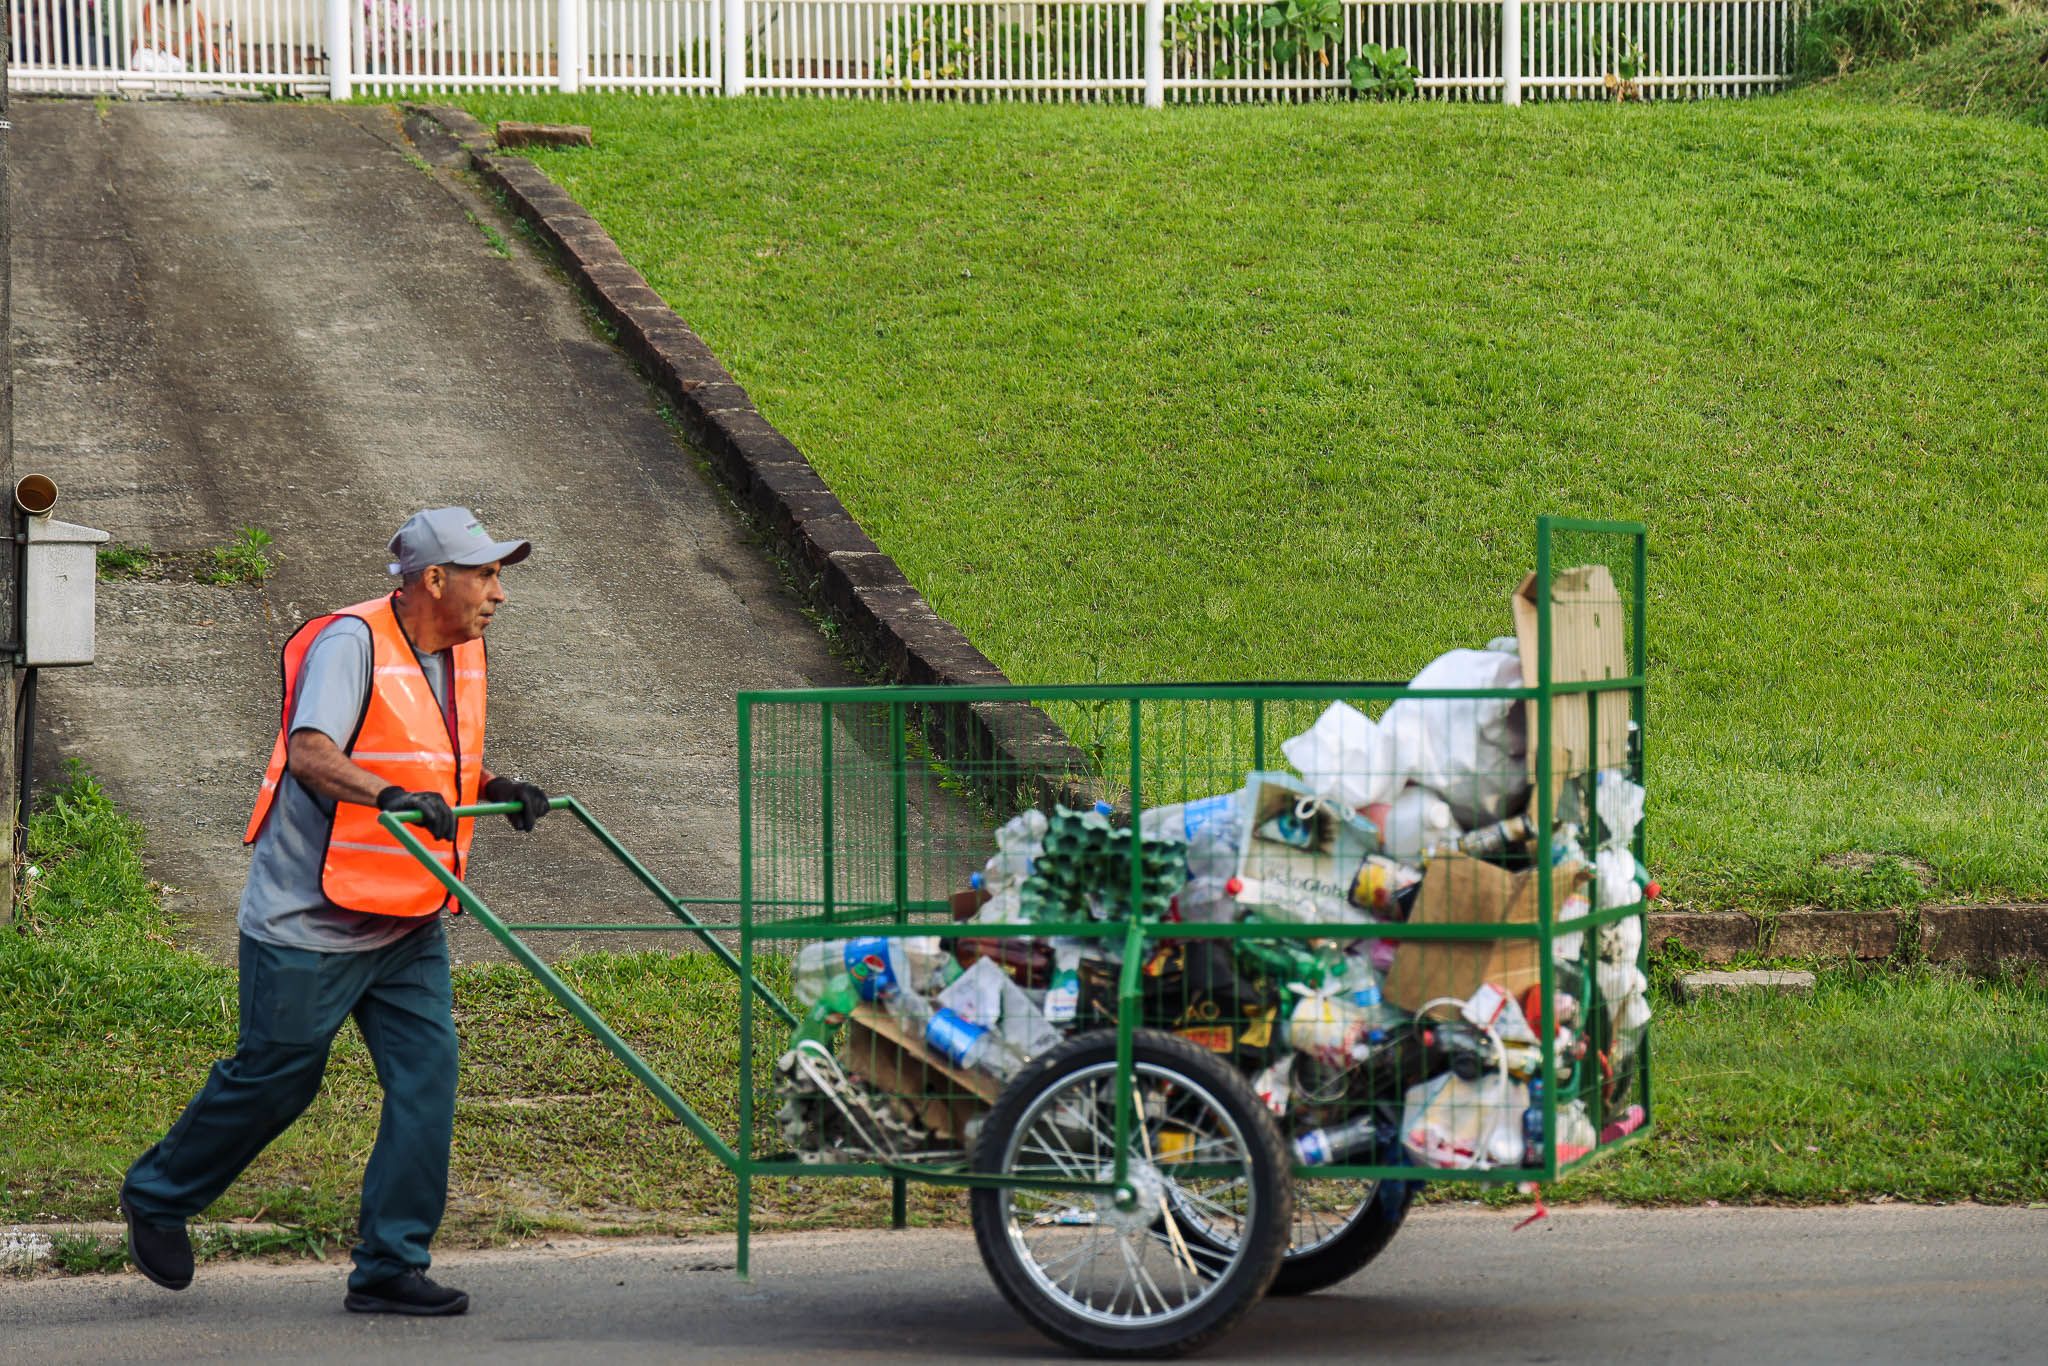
(230, 314)
(1868, 1284)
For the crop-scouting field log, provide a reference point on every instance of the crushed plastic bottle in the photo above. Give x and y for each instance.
(1018, 845)
(1208, 900)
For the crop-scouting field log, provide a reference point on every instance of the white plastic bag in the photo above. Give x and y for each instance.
(1345, 758)
(1468, 749)
(1450, 1122)
(1619, 803)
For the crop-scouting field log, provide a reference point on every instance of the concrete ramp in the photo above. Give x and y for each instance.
(275, 315)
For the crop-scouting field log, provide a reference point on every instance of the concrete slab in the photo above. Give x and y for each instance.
(269, 315)
(1695, 985)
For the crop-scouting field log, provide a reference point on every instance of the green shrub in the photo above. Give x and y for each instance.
(1841, 34)
(1999, 68)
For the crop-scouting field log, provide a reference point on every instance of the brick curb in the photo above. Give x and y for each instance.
(1980, 938)
(885, 616)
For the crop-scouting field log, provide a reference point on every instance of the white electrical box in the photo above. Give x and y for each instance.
(57, 592)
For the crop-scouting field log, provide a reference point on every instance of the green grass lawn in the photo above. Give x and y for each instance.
(1221, 393)
(1917, 1085)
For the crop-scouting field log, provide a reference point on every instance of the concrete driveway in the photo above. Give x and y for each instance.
(277, 316)
(1863, 1284)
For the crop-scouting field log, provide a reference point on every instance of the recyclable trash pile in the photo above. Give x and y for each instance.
(1363, 1045)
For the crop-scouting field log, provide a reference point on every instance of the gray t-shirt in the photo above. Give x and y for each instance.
(282, 903)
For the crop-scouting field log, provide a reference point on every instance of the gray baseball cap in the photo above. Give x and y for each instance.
(450, 536)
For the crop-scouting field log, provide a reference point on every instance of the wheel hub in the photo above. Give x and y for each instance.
(1137, 1215)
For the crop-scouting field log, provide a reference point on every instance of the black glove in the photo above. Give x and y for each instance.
(436, 816)
(531, 798)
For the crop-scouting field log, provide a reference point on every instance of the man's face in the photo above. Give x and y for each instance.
(469, 596)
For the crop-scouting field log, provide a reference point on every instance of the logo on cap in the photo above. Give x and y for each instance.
(476, 529)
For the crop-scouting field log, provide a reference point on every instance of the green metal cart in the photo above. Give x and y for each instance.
(1211, 1091)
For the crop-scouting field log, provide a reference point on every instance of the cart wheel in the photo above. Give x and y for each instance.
(1339, 1226)
(1126, 1281)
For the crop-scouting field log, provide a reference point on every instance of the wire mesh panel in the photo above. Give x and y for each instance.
(1407, 915)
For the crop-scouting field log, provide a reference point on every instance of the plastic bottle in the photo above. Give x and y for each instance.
(1416, 821)
(834, 1004)
(817, 963)
(1207, 900)
(1063, 993)
(878, 966)
(1018, 844)
(1185, 821)
(1532, 1125)
(1214, 846)
(1501, 837)
(1320, 1147)
(1359, 984)
(972, 1046)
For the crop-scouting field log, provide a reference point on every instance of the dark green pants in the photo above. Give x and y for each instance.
(293, 1003)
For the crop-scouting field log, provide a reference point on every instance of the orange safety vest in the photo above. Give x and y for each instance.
(403, 738)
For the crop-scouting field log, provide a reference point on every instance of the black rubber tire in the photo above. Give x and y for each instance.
(1341, 1258)
(1273, 1197)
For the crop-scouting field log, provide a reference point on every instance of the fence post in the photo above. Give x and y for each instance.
(735, 23)
(340, 61)
(568, 46)
(1510, 51)
(1155, 54)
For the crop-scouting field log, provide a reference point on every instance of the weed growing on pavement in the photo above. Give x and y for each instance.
(499, 246)
(122, 561)
(245, 559)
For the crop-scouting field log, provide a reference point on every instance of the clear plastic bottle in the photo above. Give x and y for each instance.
(1358, 984)
(1018, 844)
(1208, 900)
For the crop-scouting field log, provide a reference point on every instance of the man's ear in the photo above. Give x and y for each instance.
(434, 578)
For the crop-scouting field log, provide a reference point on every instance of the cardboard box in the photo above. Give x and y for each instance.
(880, 1050)
(1588, 640)
(1455, 890)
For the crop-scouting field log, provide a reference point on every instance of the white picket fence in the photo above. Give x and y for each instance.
(1136, 50)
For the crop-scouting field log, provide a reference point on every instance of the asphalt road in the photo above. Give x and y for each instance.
(1867, 1284)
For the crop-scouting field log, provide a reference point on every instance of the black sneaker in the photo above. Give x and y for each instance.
(162, 1254)
(408, 1293)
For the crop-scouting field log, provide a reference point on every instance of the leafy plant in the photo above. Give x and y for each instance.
(1304, 27)
(246, 559)
(122, 561)
(1381, 73)
(926, 45)
(1624, 81)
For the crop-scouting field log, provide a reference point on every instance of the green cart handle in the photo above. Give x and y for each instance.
(398, 823)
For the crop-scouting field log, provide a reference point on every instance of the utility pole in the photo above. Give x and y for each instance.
(10, 562)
